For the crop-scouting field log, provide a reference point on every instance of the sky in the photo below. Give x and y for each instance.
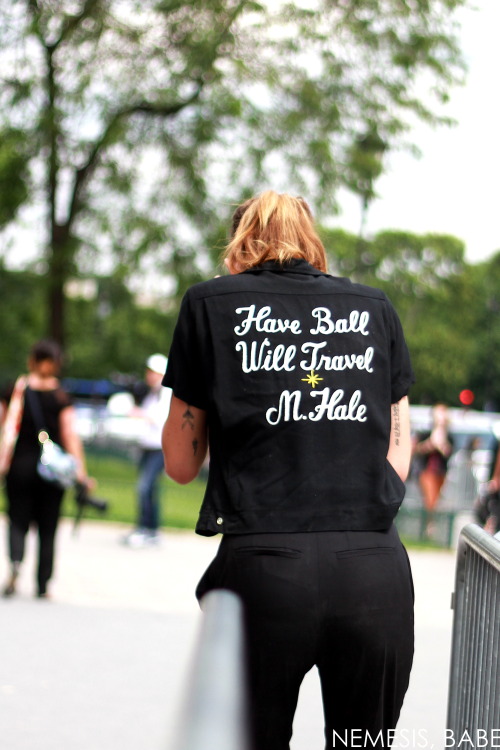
(454, 187)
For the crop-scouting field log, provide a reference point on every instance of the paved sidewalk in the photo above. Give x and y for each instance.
(102, 666)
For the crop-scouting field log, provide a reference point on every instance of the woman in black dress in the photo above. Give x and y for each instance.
(31, 499)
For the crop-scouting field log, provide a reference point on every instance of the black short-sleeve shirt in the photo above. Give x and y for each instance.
(297, 371)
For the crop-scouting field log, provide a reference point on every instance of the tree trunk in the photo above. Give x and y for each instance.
(58, 273)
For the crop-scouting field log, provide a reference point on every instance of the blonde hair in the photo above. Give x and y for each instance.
(273, 226)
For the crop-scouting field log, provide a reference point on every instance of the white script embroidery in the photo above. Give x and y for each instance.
(356, 324)
(267, 355)
(337, 362)
(257, 356)
(264, 323)
(333, 407)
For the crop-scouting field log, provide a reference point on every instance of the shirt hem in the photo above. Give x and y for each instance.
(271, 521)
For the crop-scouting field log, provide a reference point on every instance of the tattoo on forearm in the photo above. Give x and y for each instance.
(195, 447)
(396, 423)
(188, 418)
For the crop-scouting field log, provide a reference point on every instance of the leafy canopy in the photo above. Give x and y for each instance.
(136, 125)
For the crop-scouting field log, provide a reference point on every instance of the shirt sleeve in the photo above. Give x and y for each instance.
(402, 375)
(186, 365)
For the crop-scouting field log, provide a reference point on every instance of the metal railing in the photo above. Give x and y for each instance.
(214, 715)
(474, 690)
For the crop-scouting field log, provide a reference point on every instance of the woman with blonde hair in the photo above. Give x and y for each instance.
(298, 382)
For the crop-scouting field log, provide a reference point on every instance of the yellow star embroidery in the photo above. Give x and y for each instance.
(312, 379)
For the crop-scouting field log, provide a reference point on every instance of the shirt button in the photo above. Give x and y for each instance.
(220, 521)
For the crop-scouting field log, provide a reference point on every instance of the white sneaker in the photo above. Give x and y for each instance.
(136, 539)
(153, 539)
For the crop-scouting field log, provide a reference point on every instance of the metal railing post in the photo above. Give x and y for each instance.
(214, 715)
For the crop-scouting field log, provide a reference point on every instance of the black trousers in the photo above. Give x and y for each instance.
(342, 601)
(32, 500)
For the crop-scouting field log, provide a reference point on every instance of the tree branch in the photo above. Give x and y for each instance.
(163, 110)
(146, 108)
(72, 22)
(230, 20)
(34, 9)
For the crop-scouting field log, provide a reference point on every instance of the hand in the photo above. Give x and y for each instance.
(494, 484)
(491, 525)
(439, 440)
(89, 482)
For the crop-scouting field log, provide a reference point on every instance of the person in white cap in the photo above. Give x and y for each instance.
(154, 410)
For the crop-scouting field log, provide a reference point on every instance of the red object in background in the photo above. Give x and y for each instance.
(466, 397)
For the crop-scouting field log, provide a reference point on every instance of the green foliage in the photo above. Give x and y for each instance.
(22, 315)
(484, 378)
(112, 334)
(117, 483)
(146, 120)
(442, 302)
(14, 187)
(109, 333)
(365, 164)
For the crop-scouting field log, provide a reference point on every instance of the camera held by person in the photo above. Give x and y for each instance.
(85, 500)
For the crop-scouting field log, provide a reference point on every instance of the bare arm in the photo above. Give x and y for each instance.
(184, 441)
(70, 440)
(399, 453)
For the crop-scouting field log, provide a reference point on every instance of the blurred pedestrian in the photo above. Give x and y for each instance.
(434, 449)
(153, 409)
(32, 499)
(298, 380)
(487, 504)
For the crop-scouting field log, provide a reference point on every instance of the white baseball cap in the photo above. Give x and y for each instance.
(157, 363)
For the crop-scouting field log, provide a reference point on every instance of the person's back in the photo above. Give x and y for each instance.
(298, 382)
(292, 365)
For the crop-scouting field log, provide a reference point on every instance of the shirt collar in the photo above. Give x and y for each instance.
(295, 265)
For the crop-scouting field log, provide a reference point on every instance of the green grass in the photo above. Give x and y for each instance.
(180, 504)
(116, 482)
